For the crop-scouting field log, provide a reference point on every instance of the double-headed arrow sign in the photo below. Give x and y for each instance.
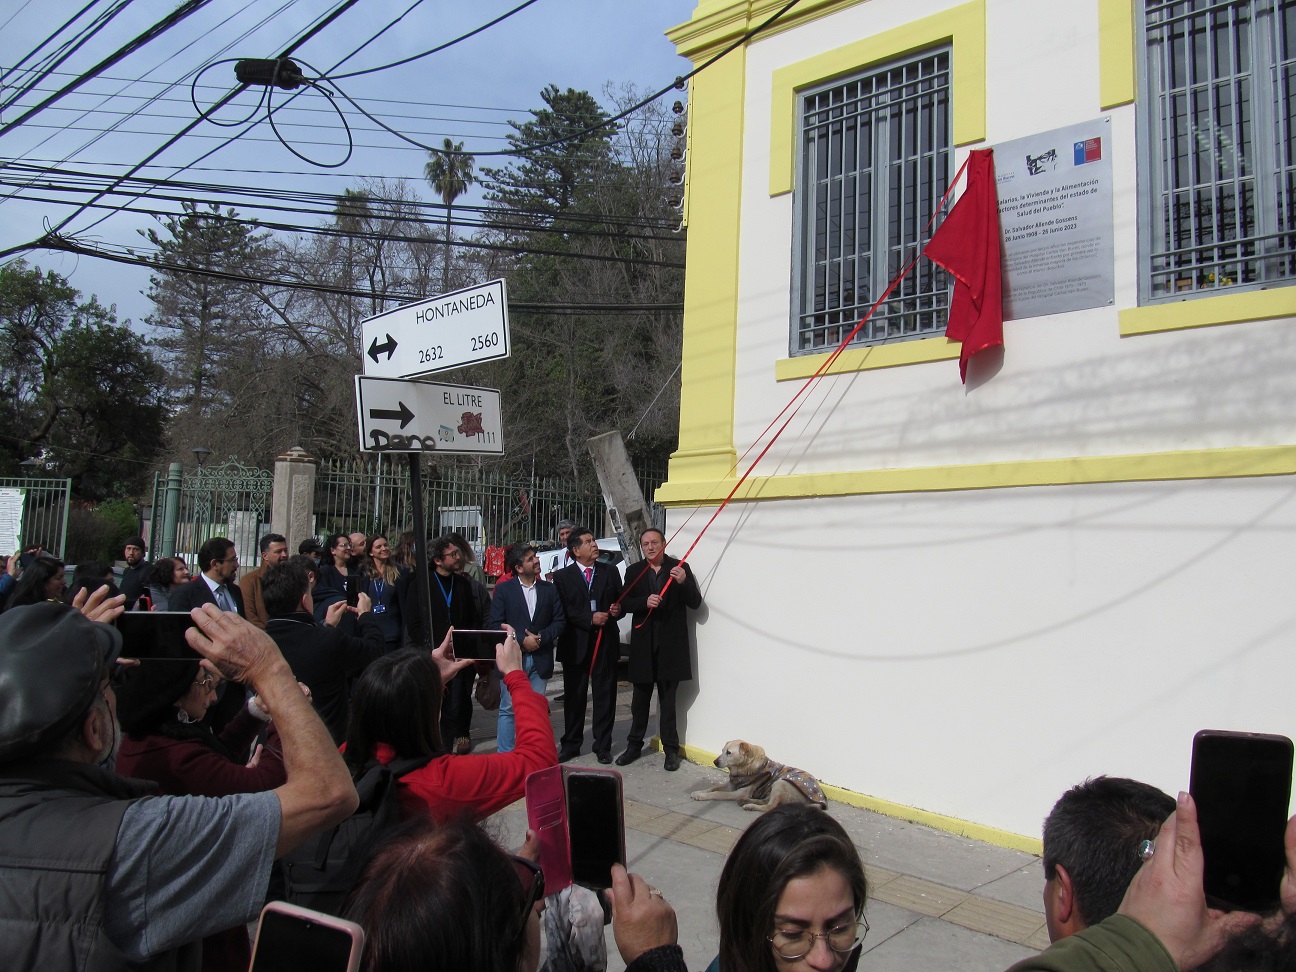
(449, 331)
(388, 348)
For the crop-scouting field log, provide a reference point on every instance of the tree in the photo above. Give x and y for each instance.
(202, 319)
(450, 174)
(598, 194)
(78, 392)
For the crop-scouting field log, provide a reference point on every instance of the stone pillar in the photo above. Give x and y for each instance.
(292, 503)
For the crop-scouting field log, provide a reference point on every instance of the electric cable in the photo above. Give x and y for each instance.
(436, 50)
(55, 59)
(677, 83)
(161, 27)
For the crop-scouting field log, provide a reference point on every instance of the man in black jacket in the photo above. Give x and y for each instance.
(659, 590)
(322, 658)
(134, 580)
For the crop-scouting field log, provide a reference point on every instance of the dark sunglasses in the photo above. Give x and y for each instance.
(532, 880)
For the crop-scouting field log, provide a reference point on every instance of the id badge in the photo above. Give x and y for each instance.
(593, 605)
(379, 608)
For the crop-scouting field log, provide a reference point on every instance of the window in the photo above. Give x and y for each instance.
(1219, 109)
(875, 161)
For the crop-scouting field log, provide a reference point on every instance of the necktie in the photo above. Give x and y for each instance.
(223, 598)
(589, 575)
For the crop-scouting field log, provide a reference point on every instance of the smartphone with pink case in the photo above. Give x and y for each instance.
(579, 819)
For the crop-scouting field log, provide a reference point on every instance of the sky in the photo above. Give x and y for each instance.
(468, 92)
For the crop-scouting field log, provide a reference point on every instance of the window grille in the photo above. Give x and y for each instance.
(1218, 120)
(875, 162)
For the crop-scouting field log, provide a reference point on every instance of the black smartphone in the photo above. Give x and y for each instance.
(477, 644)
(1241, 783)
(155, 634)
(289, 938)
(595, 825)
(351, 584)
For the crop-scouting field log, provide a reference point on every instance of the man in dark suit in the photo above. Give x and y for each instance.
(322, 657)
(218, 562)
(533, 609)
(659, 646)
(588, 591)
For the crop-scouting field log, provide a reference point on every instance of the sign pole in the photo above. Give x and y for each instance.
(422, 577)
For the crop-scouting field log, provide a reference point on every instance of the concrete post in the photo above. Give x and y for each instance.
(292, 501)
(171, 510)
(627, 508)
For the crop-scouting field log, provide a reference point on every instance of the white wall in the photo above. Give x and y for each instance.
(975, 653)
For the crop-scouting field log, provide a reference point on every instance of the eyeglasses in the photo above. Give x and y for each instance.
(532, 880)
(208, 681)
(797, 944)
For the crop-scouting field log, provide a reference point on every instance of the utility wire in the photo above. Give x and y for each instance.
(161, 27)
(55, 59)
(525, 150)
(436, 50)
(69, 245)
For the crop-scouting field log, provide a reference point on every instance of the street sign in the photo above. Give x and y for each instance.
(461, 328)
(424, 416)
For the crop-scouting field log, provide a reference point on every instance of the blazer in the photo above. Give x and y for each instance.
(577, 639)
(196, 593)
(509, 606)
(659, 646)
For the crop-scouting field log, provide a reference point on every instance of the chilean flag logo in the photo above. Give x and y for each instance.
(1090, 150)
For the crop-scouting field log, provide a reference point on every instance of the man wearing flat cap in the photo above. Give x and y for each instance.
(96, 874)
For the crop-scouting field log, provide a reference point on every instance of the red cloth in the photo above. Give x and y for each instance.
(493, 561)
(478, 784)
(967, 245)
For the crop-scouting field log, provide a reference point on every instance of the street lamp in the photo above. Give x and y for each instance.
(201, 453)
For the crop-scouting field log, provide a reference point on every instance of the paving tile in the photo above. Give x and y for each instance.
(932, 945)
(915, 894)
(717, 839)
(1040, 940)
(878, 876)
(1024, 887)
(676, 826)
(996, 918)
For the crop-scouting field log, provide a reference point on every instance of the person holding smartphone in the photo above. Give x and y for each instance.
(395, 714)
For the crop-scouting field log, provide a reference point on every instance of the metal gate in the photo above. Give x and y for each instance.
(230, 500)
(40, 507)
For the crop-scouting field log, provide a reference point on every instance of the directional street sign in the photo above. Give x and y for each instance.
(462, 328)
(424, 416)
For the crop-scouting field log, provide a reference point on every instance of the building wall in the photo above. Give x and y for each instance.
(963, 599)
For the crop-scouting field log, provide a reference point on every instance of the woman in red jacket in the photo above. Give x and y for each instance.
(396, 713)
(160, 706)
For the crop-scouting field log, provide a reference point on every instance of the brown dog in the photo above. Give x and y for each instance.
(759, 783)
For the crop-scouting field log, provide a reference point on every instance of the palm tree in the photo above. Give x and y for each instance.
(450, 174)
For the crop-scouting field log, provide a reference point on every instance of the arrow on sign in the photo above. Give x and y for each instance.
(376, 349)
(403, 413)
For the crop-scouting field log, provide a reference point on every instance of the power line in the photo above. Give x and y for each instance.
(161, 27)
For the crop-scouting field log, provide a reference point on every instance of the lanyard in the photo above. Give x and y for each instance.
(378, 587)
(447, 594)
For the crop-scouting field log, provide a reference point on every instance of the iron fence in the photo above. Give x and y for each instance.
(488, 507)
(45, 504)
(230, 500)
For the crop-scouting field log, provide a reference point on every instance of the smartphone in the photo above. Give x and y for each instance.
(477, 644)
(351, 584)
(290, 937)
(579, 819)
(1241, 783)
(155, 634)
(595, 825)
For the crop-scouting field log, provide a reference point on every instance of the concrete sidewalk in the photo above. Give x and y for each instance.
(936, 901)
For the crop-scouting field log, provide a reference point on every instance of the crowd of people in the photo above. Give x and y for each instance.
(145, 797)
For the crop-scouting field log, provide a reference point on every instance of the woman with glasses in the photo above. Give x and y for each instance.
(335, 569)
(396, 715)
(160, 706)
(791, 896)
